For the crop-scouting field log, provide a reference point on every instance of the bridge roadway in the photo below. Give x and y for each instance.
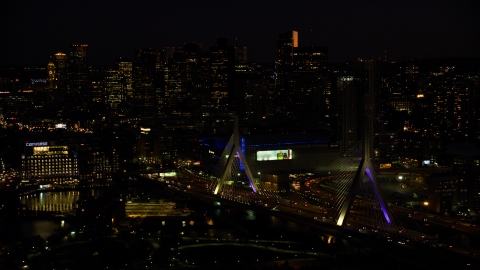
(419, 255)
(306, 204)
(403, 213)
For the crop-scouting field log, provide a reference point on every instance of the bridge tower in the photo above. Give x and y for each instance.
(236, 152)
(360, 106)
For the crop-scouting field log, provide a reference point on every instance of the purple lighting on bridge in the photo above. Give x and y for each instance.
(382, 205)
(248, 176)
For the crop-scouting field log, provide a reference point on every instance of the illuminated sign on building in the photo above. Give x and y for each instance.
(168, 174)
(274, 155)
(37, 144)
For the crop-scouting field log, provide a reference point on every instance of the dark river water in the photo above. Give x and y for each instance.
(219, 222)
(232, 222)
(64, 201)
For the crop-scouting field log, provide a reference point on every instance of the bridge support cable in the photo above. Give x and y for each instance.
(235, 155)
(227, 171)
(221, 165)
(350, 196)
(367, 187)
(370, 173)
(341, 174)
(371, 205)
(404, 223)
(349, 172)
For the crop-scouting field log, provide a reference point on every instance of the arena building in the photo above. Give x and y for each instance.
(272, 158)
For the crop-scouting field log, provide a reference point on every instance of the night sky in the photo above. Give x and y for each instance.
(31, 31)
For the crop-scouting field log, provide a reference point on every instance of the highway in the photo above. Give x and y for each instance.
(309, 203)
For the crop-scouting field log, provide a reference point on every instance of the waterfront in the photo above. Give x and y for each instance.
(221, 235)
(211, 237)
(244, 222)
(49, 199)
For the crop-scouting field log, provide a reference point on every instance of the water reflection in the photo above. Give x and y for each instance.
(250, 215)
(58, 200)
(217, 222)
(50, 198)
(50, 201)
(44, 228)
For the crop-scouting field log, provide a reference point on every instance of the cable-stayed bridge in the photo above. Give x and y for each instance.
(348, 192)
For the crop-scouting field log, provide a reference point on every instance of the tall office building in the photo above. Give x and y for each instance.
(177, 86)
(452, 110)
(168, 54)
(302, 89)
(222, 71)
(183, 82)
(287, 41)
(193, 54)
(114, 91)
(310, 94)
(78, 84)
(218, 108)
(147, 84)
(251, 90)
(348, 127)
(356, 101)
(97, 77)
(240, 54)
(61, 73)
(51, 76)
(57, 79)
(125, 73)
(78, 68)
(124, 67)
(109, 87)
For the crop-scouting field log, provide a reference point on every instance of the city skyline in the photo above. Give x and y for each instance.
(220, 134)
(430, 29)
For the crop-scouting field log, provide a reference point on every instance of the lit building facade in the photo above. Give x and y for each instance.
(124, 68)
(44, 163)
(114, 90)
(70, 160)
(275, 153)
(98, 80)
(222, 70)
(97, 163)
(61, 63)
(51, 76)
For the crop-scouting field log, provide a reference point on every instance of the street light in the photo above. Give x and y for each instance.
(426, 207)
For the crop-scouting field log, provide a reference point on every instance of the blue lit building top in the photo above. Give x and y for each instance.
(269, 141)
(284, 140)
